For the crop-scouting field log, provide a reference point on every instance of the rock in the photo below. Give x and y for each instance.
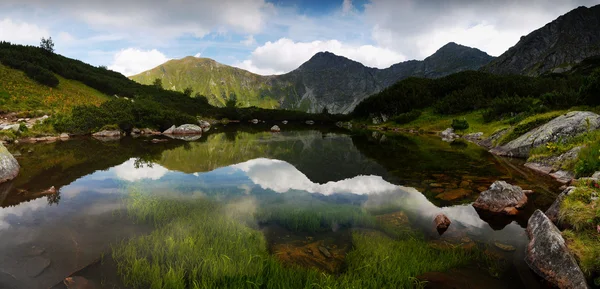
(107, 133)
(553, 212)
(563, 177)
(504, 247)
(441, 223)
(204, 124)
(184, 129)
(13, 127)
(548, 255)
(324, 251)
(596, 175)
(285, 122)
(9, 167)
(185, 137)
(501, 197)
(454, 194)
(540, 168)
(36, 266)
(448, 135)
(474, 137)
(136, 131)
(149, 131)
(254, 121)
(491, 141)
(275, 128)
(547, 165)
(64, 136)
(170, 130)
(159, 140)
(78, 282)
(310, 122)
(561, 128)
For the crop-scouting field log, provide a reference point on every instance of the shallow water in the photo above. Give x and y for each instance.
(47, 237)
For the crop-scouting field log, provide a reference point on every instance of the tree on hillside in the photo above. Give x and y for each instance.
(188, 91)
(232, 101)
(201, 98)
(325, 110)
(158, 83)
(47, 44)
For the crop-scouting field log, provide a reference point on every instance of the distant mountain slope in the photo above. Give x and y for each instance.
(556, 47)
(211, 79)
(325, 80)
(19, 93)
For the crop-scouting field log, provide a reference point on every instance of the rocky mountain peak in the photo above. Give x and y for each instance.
(556, 47)
(327, 60)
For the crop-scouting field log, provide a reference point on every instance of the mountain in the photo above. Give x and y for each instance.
(325, 80)
(214, 80)
(556, 47)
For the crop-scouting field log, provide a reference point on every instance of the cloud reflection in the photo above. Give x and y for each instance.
(127, 171)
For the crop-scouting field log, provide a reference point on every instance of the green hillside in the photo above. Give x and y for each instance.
(20, 93)
(218, 82)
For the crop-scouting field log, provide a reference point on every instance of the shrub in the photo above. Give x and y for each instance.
(507, 105)
(460, 124)
(590, 90)
(524, 127)
(589, 160)
(407, 117)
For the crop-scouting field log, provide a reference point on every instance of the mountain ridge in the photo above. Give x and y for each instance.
(326, 80)
(554, 48)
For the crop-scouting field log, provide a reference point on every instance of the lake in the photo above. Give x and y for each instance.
(305, 200)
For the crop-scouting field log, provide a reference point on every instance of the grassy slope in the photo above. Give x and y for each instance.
(19, 93)
(212, 79)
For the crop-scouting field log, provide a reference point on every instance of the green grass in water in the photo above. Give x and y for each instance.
(199, 243)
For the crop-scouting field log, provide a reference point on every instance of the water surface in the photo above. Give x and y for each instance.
(48, 237)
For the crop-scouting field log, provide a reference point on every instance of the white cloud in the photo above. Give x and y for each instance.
(347, 6)
(198, 55)
(158, 19)
(419, 28)
(21, 32)
(285, 55)
(248, 41)
(127, 171)
(132, 61)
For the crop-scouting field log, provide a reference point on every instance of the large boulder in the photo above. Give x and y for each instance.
(448, 135)
(501, 197)
(548, 255)
(9, 167)
(184, 129)
(561, 128)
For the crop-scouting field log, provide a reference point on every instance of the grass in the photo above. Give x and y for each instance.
(581, 211)
(528, 124)
(18, 93)
(199, 243)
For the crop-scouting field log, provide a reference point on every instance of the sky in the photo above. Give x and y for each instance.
(270, 36)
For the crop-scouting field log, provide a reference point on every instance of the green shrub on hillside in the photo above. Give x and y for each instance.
(590, 90)
(460, 124)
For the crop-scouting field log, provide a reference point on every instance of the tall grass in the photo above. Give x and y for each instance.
(199, 243)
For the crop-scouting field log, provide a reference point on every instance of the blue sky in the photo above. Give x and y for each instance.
(270, 37)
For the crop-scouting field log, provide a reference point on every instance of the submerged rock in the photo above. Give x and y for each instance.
(9, 167)
(501, 197)
(324, 251)
(441, 223)
(37, 265)
(548, 255)
(284, 122)
(78, 282)
(310, 122)
(254, 121)
(275, 128)
(561, 128)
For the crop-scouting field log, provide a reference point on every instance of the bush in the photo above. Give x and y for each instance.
(590, 90)
(407, 117)
(467, 99)
(589, 160)
(460, 124)
(508, 106)
(522, 128)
